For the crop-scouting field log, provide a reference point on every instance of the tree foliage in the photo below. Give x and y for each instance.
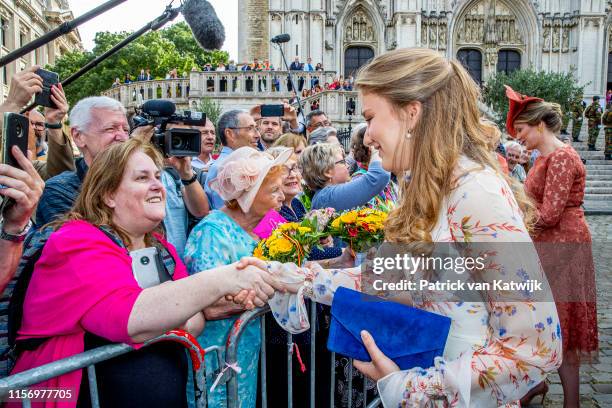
(561, 88)
(211, 107)
(160, 51)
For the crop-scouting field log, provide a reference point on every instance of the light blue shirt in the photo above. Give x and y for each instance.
(214, 200)
(176, 221)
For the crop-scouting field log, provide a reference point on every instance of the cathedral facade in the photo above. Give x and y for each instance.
(486, 35)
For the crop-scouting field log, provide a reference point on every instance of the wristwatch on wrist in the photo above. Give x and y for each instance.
(53, 125)
(189, 181)
(15, 237)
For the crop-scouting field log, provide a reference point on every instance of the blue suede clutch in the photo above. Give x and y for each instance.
(410, 337)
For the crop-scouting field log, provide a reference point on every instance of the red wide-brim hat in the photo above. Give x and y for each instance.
(517, 103)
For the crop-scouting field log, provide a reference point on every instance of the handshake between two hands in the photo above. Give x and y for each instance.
(259, 280)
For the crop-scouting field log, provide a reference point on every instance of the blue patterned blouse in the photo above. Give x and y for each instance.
(218, 240)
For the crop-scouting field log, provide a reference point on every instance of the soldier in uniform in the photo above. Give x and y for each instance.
(606, 120)
(577, 108)
(593, 114)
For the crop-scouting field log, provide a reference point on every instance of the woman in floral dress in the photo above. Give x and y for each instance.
(556, 183)
(453, 191)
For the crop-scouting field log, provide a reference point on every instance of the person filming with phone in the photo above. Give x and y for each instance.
(45, 127)
(20, 190)
(270, 118)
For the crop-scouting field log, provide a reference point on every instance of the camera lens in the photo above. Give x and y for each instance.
(145, 260)
(178, 143)
(19, 130)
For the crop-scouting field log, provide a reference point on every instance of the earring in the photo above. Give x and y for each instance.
(408, 135)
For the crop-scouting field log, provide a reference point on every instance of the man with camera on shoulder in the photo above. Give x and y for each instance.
(178, 136)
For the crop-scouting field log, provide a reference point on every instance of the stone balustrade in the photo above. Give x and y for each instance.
(242, 90)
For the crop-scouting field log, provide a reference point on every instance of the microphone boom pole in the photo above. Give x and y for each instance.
(297, 96)
(62, 29)
(168, 15)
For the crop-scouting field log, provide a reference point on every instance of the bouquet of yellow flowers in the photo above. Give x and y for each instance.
(362, 228)
(289, 242)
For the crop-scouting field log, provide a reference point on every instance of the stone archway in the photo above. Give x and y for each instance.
(359, 26)
(493, 26)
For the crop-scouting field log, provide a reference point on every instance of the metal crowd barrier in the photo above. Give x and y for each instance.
(231, 354)
(90, 358)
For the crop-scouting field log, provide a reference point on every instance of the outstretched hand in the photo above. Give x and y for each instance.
(380, 366)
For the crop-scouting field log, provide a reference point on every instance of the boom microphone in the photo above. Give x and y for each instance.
(281, 38)
(159, 107)
(204, 23)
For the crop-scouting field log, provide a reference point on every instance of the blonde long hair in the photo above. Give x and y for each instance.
(450, 125)
(103, 178)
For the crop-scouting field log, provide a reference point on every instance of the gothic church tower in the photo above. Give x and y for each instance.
(254, 37)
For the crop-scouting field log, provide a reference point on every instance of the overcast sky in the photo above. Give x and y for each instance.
(133, 14)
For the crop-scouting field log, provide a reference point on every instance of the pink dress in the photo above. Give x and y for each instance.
(557, 182)
(82, 282)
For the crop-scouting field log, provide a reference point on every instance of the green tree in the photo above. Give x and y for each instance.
(161, 51)
(180, 35)
(211, 108)
(561, 88)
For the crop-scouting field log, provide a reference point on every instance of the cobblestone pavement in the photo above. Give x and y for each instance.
(595, 379)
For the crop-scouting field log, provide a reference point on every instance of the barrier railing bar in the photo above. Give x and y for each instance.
(333, 380)
(60, 367)
(93, 386)
(374, 403)
(350, 383)
(365, 391)
(231, 348)
(289, 370)
(313, 329)
(264, 385)
(26, 403)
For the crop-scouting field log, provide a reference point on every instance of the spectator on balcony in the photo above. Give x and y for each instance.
(296, 65)
(148, 76)
(208, 67)
(257, 66)
(141, 76)
(117, 82)
(319, 67)
(221, 67)
(237, 128)
(314, 105)
(346, 86)
(308, 66)
(128, 79)
(232, 66)
(317, 89)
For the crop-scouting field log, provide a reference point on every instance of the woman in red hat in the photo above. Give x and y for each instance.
(556, 183)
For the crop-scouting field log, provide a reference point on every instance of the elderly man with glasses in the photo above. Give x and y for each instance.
(237, 128)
